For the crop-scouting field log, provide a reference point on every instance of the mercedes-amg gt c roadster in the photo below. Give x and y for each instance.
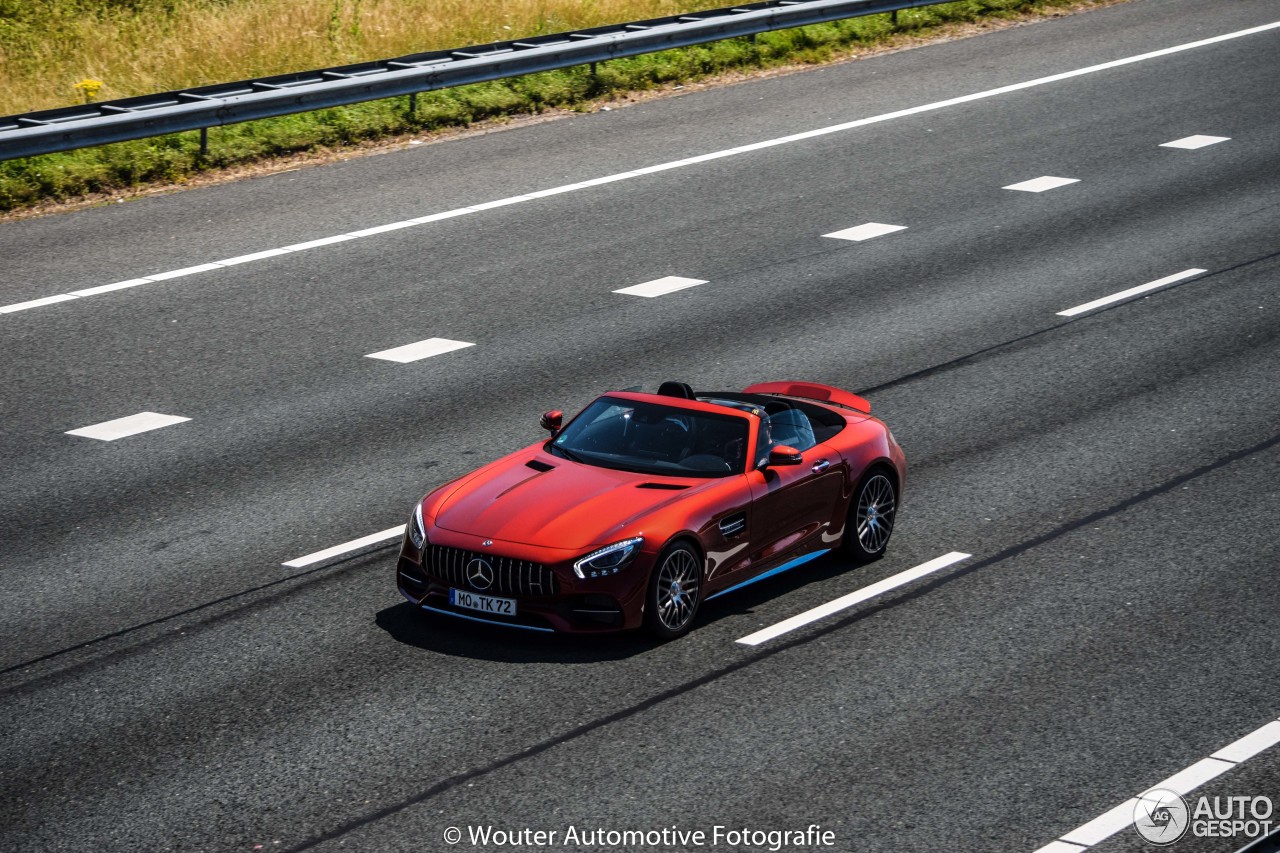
(645, 505)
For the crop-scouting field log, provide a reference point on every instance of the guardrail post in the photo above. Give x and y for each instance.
(204, 142)
(413, 104)
(895, 19)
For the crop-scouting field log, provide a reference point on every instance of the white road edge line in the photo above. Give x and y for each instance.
(856, 597)
(1183, 782)
(346, 547)
(36, 303)
(702, 158)
(1133, 291)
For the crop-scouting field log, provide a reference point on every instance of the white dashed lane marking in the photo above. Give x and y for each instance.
(124, 427)
(1193, 142)
(857, 597)
(420, 350)
(660, 286)
(647, 170)
(1131, 292)
(865, 232)
(347, 547)
(1039, 185)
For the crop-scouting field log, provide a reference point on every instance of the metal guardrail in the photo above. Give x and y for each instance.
(200, 108)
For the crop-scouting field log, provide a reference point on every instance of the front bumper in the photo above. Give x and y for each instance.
(549, 595)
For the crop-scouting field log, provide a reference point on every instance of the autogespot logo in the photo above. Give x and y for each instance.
(1161, 816)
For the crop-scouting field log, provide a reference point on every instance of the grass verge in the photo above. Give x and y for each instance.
(38, 184)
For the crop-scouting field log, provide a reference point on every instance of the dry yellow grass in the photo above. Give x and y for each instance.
(158, 45)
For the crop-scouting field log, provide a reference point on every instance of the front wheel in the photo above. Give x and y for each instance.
(675, 589)
(871, 514)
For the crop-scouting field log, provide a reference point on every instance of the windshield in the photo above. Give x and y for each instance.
(655, 439)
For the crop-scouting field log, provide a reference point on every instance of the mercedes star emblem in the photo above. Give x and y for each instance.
(480, 574)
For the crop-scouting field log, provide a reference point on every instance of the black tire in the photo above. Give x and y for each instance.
(675, 591)
(872, 511)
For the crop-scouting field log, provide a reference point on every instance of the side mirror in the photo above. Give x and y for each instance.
(781, 456)
(551, 420)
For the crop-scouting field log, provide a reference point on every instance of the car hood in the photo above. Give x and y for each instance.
(569, 505)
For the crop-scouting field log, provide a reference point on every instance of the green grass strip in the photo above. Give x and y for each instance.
(177, 157)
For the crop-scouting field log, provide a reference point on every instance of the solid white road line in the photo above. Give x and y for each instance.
(107, 288)
(715, 155)
(1204, 770)
(1251, 744)
(1103, 826)
(123, 427)
(250, 258)
(1039, 185)
(1183, 782)
(182, 273)
(1131, 292)
(35, 303)
(346, 547)
(420, 350)
(660, 286)
(31, 304)
(856, 597)
(865, 231)
(1191, 143)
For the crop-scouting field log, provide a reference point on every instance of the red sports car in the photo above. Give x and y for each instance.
(645, 505)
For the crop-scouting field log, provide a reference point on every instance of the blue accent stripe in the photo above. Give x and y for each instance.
(798, 561)
(485, 621)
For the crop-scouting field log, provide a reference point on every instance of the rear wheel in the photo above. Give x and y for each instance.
(675, 589)
(871, 515)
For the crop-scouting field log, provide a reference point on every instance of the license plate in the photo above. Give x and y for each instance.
(483, 603)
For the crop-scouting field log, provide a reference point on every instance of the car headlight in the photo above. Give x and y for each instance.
(417, 530)
(609, 559)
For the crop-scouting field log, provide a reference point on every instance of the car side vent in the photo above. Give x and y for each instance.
(732, 525)
(538, 465)
(670, 487)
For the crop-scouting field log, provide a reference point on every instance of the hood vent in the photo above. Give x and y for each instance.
(538, 465)
(670, 487)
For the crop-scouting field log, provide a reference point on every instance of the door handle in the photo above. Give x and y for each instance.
(820, 466)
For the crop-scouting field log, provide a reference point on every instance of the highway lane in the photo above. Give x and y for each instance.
(317, 705)
(267, 390)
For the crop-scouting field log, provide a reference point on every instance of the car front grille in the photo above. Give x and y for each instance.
(510, 576)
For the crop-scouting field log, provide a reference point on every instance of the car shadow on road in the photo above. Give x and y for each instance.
(459, 638)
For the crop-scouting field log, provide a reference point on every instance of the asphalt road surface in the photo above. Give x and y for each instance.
(168, 683)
